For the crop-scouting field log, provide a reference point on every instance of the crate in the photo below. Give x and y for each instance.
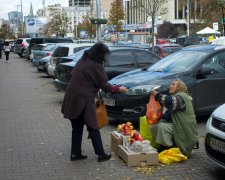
(135, 159)
(115, 141)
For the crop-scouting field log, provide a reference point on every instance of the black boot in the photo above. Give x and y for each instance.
(74, 157)
(104, 157)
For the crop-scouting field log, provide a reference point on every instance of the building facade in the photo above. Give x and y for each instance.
(79, 3)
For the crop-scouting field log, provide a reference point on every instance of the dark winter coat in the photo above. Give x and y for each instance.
(87, 78)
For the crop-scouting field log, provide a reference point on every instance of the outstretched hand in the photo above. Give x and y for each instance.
(123, 89)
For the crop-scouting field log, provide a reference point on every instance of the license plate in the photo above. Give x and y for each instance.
(40, 67)
(109, 102)
(62, 74)
(217, 145)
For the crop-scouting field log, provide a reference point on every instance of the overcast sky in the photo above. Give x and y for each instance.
(11, 5)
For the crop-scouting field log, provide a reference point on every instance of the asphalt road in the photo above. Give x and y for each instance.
(35, 138)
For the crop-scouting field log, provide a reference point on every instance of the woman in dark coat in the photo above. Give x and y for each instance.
(88, 76)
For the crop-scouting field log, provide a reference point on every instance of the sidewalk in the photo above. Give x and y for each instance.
(35, 138)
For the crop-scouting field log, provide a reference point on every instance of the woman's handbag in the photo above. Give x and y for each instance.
(154, 111)
(101, 112)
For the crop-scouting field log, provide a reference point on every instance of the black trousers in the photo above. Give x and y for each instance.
(7, 55)
(77, 133)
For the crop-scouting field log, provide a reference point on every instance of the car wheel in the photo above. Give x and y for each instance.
(20, 55)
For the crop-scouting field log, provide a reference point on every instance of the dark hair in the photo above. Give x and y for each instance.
(6, 43)
(97, 52)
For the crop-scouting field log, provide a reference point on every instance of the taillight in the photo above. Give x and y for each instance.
(49, 54)
(22, 45)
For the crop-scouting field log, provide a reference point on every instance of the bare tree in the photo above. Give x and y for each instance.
(86, 24)
(57, 25)
(152, 8)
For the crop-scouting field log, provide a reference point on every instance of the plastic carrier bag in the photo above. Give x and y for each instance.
(172, 155)
(146, 133)
(154, 111)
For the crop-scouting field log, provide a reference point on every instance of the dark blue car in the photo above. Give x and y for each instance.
(201, 67)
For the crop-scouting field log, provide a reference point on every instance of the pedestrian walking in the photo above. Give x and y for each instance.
(7, 50)
(88, 76)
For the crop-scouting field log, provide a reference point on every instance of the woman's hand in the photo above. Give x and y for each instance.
(153, 92)
(123, 89)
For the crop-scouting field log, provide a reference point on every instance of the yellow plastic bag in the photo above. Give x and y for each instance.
(146, 133)
(172, 155)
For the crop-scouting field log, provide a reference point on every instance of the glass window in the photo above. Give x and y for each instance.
(145, 58)
(121, 58)
(61, 52)
(216, 63)
(179, 61)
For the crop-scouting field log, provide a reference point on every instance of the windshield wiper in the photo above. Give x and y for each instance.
(144, 69)
(159, 70)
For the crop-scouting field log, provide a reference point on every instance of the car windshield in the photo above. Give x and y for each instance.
(179, 61)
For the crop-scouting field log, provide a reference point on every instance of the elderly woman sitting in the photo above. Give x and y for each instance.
(178, 126)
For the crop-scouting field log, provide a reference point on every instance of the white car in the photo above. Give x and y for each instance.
(63, 50)
(219, 41)
(215, 136)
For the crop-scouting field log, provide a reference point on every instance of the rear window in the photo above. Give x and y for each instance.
(19, 41)
(171, 49)
(61, 52)
(37, 47)
(50, 47)
(36, 41)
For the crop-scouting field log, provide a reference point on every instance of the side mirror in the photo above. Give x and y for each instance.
(206, 69)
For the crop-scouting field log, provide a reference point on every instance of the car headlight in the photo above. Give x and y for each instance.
(137, 90)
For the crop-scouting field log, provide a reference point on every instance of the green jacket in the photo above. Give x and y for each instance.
(184, 126)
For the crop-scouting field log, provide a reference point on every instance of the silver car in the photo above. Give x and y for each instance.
(21, 45)
(215, 136)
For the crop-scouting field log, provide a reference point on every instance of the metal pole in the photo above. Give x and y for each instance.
(98, 14)
(188, 18)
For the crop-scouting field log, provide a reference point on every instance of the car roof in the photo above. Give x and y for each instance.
(169, 45)
(74, 44)
(118, 47)
(205, 47)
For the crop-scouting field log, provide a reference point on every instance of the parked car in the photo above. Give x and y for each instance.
(63, 50)
(46, 50)
(201, 67)
(218, 41)
(43, 40)
(164, 50)
(120, 60)
(43, 64)
(35, 48)
(189, 40)
(215, 136)
(21, 45)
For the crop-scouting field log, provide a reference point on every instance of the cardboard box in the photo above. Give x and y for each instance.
(115, 141)
(135, 159)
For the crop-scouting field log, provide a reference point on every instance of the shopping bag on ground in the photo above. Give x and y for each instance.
(172, 155)
(146, 133)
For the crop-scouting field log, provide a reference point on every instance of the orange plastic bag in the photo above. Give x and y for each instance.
(154, 111)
